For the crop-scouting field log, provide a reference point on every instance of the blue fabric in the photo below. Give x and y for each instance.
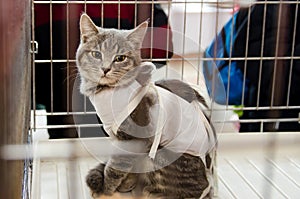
(220, 48)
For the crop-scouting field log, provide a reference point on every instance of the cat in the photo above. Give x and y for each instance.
(109, 59)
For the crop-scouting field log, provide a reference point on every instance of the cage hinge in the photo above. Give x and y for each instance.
(34, 47)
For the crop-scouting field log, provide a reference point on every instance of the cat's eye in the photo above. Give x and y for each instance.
(96, 54)
(120, 58)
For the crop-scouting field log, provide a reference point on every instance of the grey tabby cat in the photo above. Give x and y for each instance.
(107, 58)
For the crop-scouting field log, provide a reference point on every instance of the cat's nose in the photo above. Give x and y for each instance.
(105, 70)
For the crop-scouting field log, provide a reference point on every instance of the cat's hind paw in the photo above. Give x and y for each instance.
(95, 179)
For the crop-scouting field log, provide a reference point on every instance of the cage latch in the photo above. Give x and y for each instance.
(34, 47)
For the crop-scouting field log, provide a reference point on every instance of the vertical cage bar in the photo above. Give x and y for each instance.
(68, 58)
(119, 14)
(230, 59)
(292, 53)
(143, 13)
(152, 25)
(72, 169)
(51, 55)
(246, 53)
(276, 54)
(102, 13)
(135, 13)
(85, 6)
(261, 127)
(214, 60)
(84, 97)
(261, 54)
(168, 37)
(200, 42)
(183, 37)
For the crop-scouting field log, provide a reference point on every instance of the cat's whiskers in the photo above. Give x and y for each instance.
(71, 77)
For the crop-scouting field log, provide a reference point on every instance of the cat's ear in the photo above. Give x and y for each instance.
(87, 27)
(137, 35)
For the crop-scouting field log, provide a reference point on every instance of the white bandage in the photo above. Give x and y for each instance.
(179, 125)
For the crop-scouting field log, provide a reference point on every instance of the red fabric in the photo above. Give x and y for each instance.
(59, 11)
(159, 43)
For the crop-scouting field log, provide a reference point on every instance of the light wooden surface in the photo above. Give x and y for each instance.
(249, 166)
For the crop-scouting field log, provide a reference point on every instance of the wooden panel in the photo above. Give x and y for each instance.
(14, 88)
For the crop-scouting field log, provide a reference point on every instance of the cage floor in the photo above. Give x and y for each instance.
(249, 166)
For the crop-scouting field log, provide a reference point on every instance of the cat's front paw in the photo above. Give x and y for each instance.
(95, 179)
(129, 183)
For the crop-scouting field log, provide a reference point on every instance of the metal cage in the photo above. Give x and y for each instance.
(194, 25)
(269, 69)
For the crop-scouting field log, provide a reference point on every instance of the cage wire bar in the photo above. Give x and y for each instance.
(184, 58)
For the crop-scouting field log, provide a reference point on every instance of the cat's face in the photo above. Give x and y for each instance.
(108, 57)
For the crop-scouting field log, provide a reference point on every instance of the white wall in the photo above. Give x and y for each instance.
(211, 17)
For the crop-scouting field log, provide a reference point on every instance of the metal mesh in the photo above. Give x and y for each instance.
(194, 25)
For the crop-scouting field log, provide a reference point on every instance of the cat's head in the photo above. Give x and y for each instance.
(108, 57)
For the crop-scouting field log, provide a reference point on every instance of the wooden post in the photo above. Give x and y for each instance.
(14, 88)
